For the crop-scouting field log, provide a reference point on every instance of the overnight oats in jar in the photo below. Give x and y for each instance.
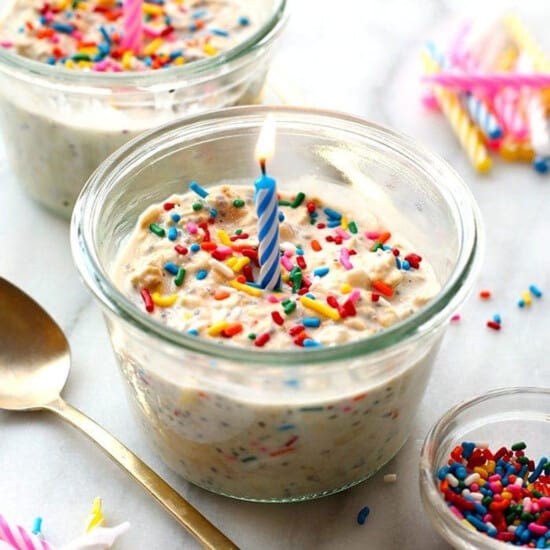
(276, 350)
(75, 84)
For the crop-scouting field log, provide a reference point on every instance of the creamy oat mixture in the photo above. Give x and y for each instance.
(192, 264)
(89, 34)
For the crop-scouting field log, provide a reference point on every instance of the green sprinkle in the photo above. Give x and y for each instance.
(157, 230)
(486, 501)
(352, 226)
(238, 203)
(376, 246)
(519, 446)
(251, 336)
(527, 517)
(248, 459)
(312, 409)
(197, 206)
(81, 57)
(537, 494)
(293, 273)
(289, 308)
(285, 302)
(285, 203)
(298, 200)
(523, 459)
(179, 277)
(238, 231)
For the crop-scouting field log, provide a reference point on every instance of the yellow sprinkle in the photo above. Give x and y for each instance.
(187, 316)
(490, 466)
(209, 49)
(63, 5)
(179, 61)
(217, 328)
(240, 263)
(344, 223)
(319, 307)
(231, 261)
(85, 64)
(95, 519)
(506, 61)
(127, 59)
(153, 46)
(252, 290)
(224, 237)
(468, 524)
(345, 288)
(152, 9)
(526, 297)
(285, 276)
(164, 301)
(481, 471)
(69, 64)
(89, 50)
(506, 494)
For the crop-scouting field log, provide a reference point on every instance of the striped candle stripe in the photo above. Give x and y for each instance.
(268, 234)
(133, 25)
(20, 539)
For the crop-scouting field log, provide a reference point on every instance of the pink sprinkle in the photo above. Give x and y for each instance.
(372, 235)
(537, 528)
(6, 44)
(100, 66)
(455, 318)
(344, 234)
(54, 39)
(192, 228)
(354, 296)
(487, 518)
(544, 501)
(273, 299)
(495, 477)
(344, 258)
(153, 33)
(430, 102)
(286, 263)
(288, 253)
(456, 511)
(77, 35)
(474, 487)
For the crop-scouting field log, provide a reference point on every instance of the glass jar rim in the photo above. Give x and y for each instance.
(411, 329)
(202, 68)
(429, 489)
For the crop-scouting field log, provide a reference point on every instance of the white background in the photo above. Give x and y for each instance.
(355, 56)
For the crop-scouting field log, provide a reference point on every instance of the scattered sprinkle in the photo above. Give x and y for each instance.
(363, 515)
(485, 294)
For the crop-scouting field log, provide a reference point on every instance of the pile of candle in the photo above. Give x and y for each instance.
(493, 86)
(96, 537)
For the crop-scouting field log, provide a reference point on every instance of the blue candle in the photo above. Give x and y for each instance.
(267, 209)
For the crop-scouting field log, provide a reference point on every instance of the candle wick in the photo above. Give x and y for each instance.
(262, 166)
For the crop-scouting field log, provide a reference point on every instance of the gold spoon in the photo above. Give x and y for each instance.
(34, 366)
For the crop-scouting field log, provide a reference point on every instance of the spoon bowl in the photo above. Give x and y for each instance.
(34, 353)
(35, 361)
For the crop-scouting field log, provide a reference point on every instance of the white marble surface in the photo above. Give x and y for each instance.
(360, 57)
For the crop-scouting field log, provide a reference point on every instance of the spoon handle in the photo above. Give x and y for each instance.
(206, 533)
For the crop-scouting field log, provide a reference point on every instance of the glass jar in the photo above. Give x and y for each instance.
(498, 418)
(290, 424)
(60, 124)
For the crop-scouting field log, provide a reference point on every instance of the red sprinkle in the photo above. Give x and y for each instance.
(168, 206)
(277, 317)
(493, 325)
(311, 207)
(147, 300)
(295, 330)
(247, 272)
(485, 294)
(383, 288)
(181, 249)
(262, 339)
(375, 296)
(300, 260)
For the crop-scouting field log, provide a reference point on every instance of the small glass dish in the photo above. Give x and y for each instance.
(60, 124)
(499, 418)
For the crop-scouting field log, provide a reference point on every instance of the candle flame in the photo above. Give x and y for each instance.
(265, 147)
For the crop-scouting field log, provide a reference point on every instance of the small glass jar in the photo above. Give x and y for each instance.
(498, 418)
(60, 124)
(291, 424)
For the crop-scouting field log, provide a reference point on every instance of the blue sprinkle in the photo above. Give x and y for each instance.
(321, 271)
(213, 212)
(244, 21)
(333, 223)
(299, 251)
(175, 217)
(310, 295)
(171, 267)
(103, 48)
(467, 449)
(200, 191)
(292, 382)
(37, 526)
(310, 343)
(397, 263)
(148, 61)
(281, 217)
(386, 247)
(497, 318)
(172, 234)
(193, 332)
(405, 265)
(219, 32)
(62, 27)
(333, 214)
(192, 27)
(21, 29)
(442, 473)
(311, 322)
(286, 427)
(69, 14)
(177, 53)
(541, 164)
(476, 522)
(51, 60)
(198, 14)
(167, 20)
(363, 515)
(521, 303)
(535, 291)
(105, 34)
(195, 247)
(538, 470)
(202, 274)
(42, 20)
(97, 57)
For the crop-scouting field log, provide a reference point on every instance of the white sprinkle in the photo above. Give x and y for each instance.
(390, 478)
(472, 478)
(453, 481)
(222, 269)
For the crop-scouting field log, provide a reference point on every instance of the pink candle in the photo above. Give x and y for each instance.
(133, 25)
